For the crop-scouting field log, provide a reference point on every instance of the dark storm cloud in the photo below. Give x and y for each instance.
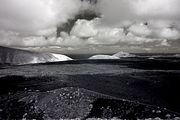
(37, 16)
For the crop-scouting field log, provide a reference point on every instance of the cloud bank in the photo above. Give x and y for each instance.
(95, 36)
(124, 24)
(119, 10)
(157, 8)
(37, 16)
(42, 16)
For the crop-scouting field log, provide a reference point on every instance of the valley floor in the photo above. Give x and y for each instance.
(131, 88)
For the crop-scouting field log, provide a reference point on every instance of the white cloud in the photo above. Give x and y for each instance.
(138, 33)
(170, 33)
(114, 11)
(160, 24)
(157, 8)
(37, 16)
(70, 40)
(84, 38)
(133, 39)
(118, 10)
(84, 28)
(164, 43)
(140, 29)
(95, 33)
(9, 38)
(107, 36)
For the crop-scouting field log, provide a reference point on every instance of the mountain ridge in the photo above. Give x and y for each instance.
(14, 56)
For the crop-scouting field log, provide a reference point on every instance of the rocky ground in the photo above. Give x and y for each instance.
(75, 103)
(91, 90)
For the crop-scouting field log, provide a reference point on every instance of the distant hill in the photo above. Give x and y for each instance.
(15, 56)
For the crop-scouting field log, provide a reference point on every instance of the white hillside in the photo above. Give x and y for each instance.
(60, 57)
(49, 57)
(18, 57)
(123, 54)
(103, 57)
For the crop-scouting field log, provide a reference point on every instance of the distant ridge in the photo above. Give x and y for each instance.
(14, 56)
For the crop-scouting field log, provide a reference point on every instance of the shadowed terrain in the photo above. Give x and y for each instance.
(144, 81)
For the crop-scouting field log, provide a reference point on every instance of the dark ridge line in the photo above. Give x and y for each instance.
(96, 61)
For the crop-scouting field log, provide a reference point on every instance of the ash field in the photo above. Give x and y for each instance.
(128, 88)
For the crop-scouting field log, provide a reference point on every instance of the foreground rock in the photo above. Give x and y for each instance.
(71, 103)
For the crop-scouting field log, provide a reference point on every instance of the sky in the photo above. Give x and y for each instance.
(136, 26)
